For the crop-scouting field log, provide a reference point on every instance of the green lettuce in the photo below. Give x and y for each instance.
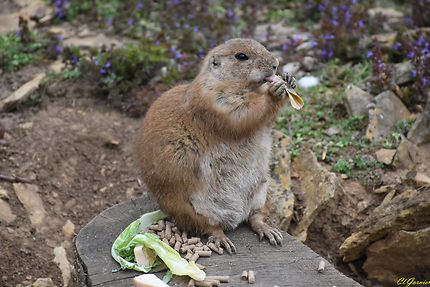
(122, 249)
(123, 255)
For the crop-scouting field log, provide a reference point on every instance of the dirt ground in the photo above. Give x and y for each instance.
(80, 153)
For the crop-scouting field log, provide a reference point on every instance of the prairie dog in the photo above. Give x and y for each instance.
(204, 147)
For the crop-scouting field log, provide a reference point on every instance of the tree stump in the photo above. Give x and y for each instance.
(292, 264)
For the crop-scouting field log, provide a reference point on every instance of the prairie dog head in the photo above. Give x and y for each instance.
(240, 60)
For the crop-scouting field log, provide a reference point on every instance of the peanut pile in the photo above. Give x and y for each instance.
(191, 248)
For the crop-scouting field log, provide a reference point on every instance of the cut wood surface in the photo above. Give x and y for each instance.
(292, 264)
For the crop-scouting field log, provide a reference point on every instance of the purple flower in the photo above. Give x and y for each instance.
(109, 21)
(108, 65)
(330, 54)
(201, 54)
(178, 55)
(139, 6)
(157, 43)
(328, 37)
(321, 7)
(130, 21)
(420, 41)
(425, 51)
(196, 29)
(334, 9)
(361, 23)
(353, 2)
(323, 52)
(176, 2)
(18, 33)
(348, 16)
(75, 59)
(408, 21)
(425, 81)
(60, 38)
(335, 22)
(96, 62)
(411, 55)
(413, 73)
(314, 44)
(103, 71)
(186, 26)
(230, 13)
(397, 46)
(58, 49)
(369, 54)
(344, 7)
(285, 47)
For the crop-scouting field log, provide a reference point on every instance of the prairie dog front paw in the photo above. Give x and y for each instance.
(278, 87)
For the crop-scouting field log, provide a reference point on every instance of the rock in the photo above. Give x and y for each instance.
(309, 63)
(29, 197)
(409, 210)
(308, 82)
(318, 187)
(305, 46)
(422, 179)
(420, 131)
(332, 131)
(386, 40)
(278, 33)
(281, 159)
(60, 258)
(403, 73)
(9, 22)
(68, 229)
(96, 41)
(391, 15)
(6, 215)
(291, 68)
(280, 195)
(357, 101)
(21, 94)
(281, 205)
(386, 156)
(406, 154)
(43, 282)
(4, 194)
(401, 254)
(385, 111)
(109, 140)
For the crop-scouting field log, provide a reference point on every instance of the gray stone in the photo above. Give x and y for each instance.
(401, 254)
(291, 68)
(357, 101)
(280, 196)
(386, 110)
(43, 282)
(60, 258)
(28, 195)
(279, 32)
(391, 15)
(93, 41)
(318, 187)
(409, 210)
(385, 156)
(309, 63)
(6, 214)
(420, 131)
(403, 73)
(305, 46)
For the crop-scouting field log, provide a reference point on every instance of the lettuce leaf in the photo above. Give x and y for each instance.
(123, 247)
(170, 257)
(119, 251)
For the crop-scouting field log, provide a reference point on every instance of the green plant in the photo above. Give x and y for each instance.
(15, 54)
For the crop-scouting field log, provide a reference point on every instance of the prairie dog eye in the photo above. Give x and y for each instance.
(241, 56)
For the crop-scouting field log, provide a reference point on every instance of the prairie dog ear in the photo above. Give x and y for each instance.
(215, 62)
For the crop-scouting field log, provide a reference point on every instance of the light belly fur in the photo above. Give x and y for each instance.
(235, 179)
